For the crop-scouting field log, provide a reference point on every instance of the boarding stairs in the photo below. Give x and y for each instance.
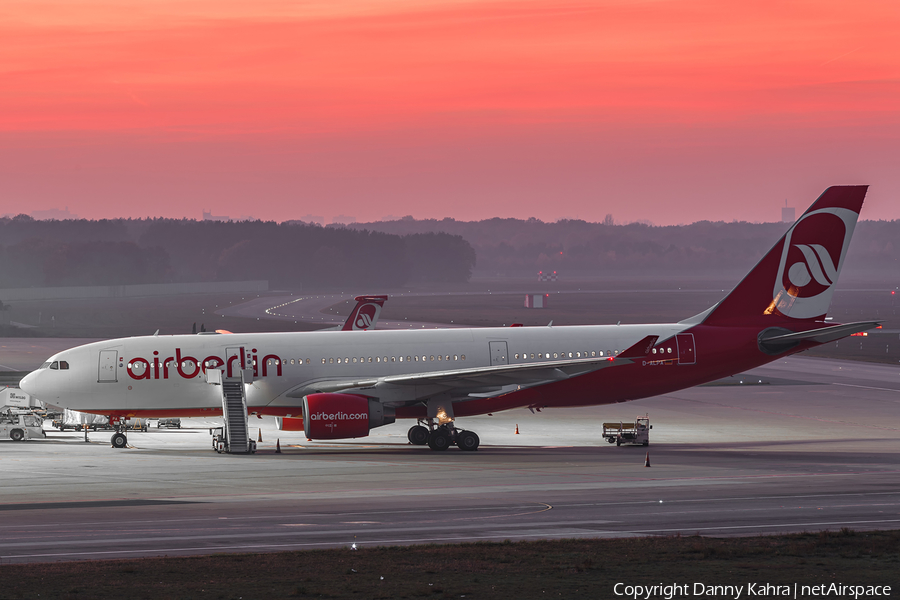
(234, 438)
(234, 410)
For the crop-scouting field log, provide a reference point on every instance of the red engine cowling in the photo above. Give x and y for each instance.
(339, 416)
(290, 423)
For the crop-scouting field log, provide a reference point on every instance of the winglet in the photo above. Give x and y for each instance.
(641, 349)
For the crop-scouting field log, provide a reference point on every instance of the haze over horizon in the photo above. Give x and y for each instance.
(666, 111)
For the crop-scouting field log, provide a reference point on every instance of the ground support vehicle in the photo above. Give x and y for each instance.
(169, 422)
(637, 433)
(77, 421)
(138, 424)
(220, 441)
(20, 426)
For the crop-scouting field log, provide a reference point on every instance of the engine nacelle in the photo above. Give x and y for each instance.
(340, 416)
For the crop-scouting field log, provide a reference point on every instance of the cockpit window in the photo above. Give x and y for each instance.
(63, 364)
(54, 364)
(45, 365)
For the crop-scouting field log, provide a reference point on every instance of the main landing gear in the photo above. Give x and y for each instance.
(440, 437)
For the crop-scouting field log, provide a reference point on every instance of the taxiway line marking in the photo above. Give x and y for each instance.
(868, 387)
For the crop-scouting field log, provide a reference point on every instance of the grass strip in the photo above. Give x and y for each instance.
(582, 568)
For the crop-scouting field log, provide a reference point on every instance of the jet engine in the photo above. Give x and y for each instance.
(340, 416)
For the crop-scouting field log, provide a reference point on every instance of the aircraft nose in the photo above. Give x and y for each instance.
(29, 384)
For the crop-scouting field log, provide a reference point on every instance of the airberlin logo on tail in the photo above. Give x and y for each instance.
(814, 249)
(816, 264)
(366, 316)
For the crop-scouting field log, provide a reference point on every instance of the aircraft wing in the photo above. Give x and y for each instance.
(494, 375)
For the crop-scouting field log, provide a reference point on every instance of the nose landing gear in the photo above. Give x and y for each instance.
(119, 439)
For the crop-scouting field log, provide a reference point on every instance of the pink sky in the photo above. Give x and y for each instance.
(668, 111)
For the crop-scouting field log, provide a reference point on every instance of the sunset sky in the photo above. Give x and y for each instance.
(665, 111)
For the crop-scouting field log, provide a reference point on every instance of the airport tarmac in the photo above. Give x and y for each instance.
(814, 446)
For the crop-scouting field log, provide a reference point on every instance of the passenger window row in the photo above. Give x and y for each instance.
(564, 355)
(384, 359)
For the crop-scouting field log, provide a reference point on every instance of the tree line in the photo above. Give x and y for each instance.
(390, 253)
(522, 247)
(288, 255)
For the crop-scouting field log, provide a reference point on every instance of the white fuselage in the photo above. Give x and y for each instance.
(166, 374)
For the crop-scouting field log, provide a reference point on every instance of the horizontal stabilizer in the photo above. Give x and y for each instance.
(641, 349)
(823, 335)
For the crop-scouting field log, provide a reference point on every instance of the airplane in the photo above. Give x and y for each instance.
(344, 385)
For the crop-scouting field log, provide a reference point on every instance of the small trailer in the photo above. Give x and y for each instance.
(637, 433)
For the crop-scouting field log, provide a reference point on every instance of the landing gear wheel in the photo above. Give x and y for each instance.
(16, 435)
(418, 435)
(467, 440)
(439, 440)
(119, 440)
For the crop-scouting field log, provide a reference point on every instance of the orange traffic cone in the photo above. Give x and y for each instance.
(278, 446)
(259, 438)
(517, 429)
(647, 460)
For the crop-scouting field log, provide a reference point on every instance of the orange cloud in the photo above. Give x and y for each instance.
(223, 69)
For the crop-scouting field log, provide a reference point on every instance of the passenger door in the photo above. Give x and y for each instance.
(107, 367)
(498, 353)
(687, 353)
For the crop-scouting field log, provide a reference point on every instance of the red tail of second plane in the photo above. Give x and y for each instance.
(366, 313)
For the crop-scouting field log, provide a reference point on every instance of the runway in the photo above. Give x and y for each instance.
(312, 309)
(814, 446)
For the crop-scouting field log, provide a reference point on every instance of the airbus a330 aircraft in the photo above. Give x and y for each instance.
(342, 385)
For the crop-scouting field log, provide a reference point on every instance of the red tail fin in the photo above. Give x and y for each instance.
(796, 278)
(366, 313)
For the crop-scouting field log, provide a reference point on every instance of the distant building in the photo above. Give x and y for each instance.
(788, 213)
(317, 219)
(536, 300)
(208, 216)
(53, 214)
(547, 276)
(343, 220)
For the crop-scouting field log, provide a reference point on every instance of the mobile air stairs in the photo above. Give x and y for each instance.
(234, 437)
